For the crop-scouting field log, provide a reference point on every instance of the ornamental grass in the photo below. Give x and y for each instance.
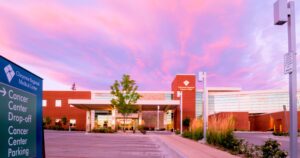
(197, 129)
(220, 131)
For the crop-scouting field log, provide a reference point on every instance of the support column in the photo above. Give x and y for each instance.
(92, 119)
(113, 121)
(88, 121)
(157, 121)
(140, 118)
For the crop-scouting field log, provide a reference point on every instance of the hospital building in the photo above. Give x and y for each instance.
(252, 110)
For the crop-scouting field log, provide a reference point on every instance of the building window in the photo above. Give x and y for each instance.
(57, 121)
(72, 122)
(44, 103)
(57, 103)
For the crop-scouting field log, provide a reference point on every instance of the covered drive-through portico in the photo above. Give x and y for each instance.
(100, 113)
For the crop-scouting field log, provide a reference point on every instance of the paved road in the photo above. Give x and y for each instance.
(258, 138)
(62, 144)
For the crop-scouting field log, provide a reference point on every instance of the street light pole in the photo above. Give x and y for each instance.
(202, 78)
(285, 12)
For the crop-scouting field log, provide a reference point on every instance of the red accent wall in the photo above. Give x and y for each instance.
(189, 97)
(266, 122)
(65, 110)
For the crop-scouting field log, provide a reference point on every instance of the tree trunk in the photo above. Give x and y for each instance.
(124, 123)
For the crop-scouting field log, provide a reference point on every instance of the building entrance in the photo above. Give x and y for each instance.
(130, 123)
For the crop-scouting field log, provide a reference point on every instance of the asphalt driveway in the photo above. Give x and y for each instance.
(258, 138)
(63, 144)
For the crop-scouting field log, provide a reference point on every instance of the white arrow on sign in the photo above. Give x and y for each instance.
(3, 91)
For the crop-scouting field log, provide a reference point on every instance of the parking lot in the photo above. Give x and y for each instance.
(81, 145)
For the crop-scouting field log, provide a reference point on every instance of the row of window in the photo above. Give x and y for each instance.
(58, 103)
(72, 122)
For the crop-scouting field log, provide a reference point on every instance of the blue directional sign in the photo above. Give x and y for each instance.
(20, 111)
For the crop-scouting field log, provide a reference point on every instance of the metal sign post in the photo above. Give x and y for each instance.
(285, 12)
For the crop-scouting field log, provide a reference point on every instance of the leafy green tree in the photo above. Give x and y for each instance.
(125, 96)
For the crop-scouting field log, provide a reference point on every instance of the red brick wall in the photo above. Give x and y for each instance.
(65, 110)
(242, 122)
(189, 97)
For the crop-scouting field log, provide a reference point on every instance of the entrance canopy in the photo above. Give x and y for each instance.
(144, 105)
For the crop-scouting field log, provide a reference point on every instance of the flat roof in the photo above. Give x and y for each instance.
(107, 102)
(149, 105)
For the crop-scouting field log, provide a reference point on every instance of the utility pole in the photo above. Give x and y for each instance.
(285, 12)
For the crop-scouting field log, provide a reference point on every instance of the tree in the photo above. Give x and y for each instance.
(125, 96)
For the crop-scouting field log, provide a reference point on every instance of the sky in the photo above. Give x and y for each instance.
(93, 43)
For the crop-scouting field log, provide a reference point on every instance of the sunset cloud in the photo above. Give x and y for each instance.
(93, 43)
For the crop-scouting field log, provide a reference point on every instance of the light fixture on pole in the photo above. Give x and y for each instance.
(179, 94)
(202, 78)
(285, 12)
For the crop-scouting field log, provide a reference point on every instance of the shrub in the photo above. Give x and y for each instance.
(280, 133)
(47, 122)
(248, 150)
(56, 127)
(177, 131)
(143, 131)
(271, 149)
(141, 128)
(186, 122)
(196, 132)
(187, 134)
(64, 120)
(103, 130)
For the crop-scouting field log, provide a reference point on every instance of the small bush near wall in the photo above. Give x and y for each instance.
(141, 128)
(187, 134)
(271, 149)
(280, 134)
(196, 131)
(103, 130)
(56, 127)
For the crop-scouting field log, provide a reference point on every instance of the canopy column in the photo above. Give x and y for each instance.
(157, 121)
(88, 121)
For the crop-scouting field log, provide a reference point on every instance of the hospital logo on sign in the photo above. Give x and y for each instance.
(187, 86)
(9, 72)
(186, 82)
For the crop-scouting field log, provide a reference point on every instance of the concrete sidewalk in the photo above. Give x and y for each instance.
(192, 149)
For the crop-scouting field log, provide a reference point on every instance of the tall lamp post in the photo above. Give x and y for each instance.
(202, 78)
(179, 94)
(285, 12)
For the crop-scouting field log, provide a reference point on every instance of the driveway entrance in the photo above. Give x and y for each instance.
(63, 144)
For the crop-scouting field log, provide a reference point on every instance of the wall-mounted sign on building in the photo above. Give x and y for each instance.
(20, 111)
(186, 86)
